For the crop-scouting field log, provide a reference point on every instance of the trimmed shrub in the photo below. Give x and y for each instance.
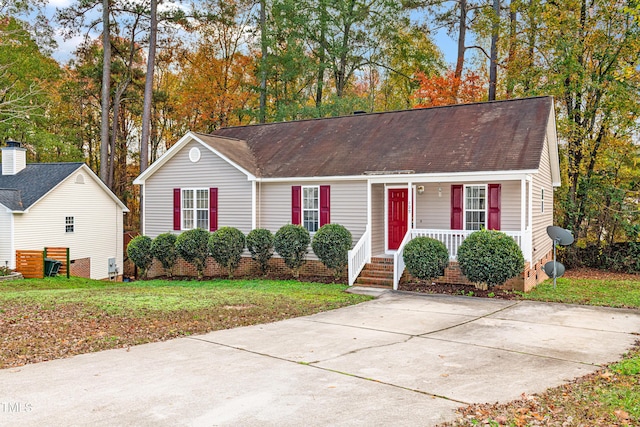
(426, 258)
(490, 257)
(291, 243)
(139, 251)
(163, 248)
(193, 247)
(260, 244)
(226, 246)
(331, 244)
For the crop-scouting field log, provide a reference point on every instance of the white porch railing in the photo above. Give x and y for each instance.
(452, 240)
(359, 256)
(398, 260)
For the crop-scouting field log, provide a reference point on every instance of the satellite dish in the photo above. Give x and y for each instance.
(559, 235)
(553, 266)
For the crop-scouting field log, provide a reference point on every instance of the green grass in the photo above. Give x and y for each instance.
(609, 293)
(140, 298)
(58, 317)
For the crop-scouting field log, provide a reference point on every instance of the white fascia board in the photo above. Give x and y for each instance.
(54, 189)
(164, 158)
(250, 176)
(403, 178)
(102, 185)
(93, 176)
(190, 136)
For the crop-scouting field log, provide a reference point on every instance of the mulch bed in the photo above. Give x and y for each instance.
(449, 289)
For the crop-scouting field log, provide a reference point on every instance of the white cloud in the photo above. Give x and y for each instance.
(65, 49)
(59, 3)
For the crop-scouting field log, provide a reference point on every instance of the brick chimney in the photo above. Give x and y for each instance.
(14, 158)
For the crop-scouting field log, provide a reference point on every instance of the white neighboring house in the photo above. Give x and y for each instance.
(59, 205)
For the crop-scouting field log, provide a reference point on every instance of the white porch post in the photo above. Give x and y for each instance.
(254, 208)
(523, 205)
(530, 183)
(369, 225)
(410, 206)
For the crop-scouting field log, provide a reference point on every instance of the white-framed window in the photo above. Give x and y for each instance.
(69, 224)
(311, 208)
(475, 207)
(195, 208)
(542, 200)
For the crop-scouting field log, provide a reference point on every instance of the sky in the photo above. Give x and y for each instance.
(65, 48)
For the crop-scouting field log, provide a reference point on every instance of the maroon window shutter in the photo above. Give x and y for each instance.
(494, 207)
(213, 209)
(296, 205)
(176, 209)
(325, 204)
(457, 211)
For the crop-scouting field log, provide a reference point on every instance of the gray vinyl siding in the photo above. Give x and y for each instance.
(542, 244)
(348, 205)
(433, 208)
(377, 218)
(234, 190)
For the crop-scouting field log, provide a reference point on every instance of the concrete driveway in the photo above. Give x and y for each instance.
(402, 359)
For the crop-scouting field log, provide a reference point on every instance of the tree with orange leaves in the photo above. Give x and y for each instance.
(446, 89)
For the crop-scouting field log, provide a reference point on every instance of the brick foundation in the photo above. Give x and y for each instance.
(529, 279)
(313, 268)
(80, 267)
(247, 268)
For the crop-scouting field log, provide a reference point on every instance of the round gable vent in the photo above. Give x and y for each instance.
(80, 179)
(194, 154)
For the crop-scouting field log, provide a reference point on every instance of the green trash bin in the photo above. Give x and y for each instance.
(51, 267)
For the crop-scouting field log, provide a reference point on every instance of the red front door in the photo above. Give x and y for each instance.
(398, 204)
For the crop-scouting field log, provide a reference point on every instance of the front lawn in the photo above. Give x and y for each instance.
(58, 317)
(620, 292)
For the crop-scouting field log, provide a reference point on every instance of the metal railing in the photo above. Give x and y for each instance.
(359, 256)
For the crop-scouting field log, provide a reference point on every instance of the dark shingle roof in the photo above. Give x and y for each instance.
(20, 191)
(492, 136)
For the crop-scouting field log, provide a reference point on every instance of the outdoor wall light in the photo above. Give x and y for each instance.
(420, 189)
(439, 191)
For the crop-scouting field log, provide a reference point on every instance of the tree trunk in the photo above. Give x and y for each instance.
(321, 52)
(513, 16)
(263, 62)
(106, 92)
(462, 34)
(493, 65)
(148, 89)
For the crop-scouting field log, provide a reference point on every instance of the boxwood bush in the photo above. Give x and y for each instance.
(163, 248)
(226, 246)
(291, 243)
(331, 244)
(139, 251)
(490, 257)
(193, 247)
(260, 244)
(426, 258)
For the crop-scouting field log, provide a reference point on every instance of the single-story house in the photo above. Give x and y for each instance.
(59, 205)
(387, 177)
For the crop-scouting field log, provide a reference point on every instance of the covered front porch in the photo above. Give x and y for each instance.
(447, 209)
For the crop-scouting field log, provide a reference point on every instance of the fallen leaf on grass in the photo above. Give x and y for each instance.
(622, 415)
